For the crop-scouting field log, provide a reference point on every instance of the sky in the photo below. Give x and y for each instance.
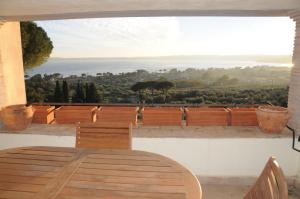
(167, 36)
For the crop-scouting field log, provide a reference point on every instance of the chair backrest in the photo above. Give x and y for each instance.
(271, 183)
(103, 135)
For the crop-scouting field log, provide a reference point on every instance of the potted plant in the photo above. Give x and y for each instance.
(272, 119)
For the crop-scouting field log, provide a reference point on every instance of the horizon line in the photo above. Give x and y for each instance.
(216, 55)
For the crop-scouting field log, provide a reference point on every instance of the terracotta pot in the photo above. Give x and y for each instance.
(272, 119)
(17, 117)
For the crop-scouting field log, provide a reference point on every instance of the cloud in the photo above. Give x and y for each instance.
(100, 37)
(159, 36)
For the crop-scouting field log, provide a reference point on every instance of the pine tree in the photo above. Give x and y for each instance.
(94, 96)
(79, 94)
(87, 94)
(65, 92)
(58, 95)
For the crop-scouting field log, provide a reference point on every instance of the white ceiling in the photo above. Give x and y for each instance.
(11, 10)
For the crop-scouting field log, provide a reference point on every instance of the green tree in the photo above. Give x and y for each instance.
(94, 96)
(164, 86)
(36, 44)
(65, 92)
(139, 88)
(58, 95)
(87, 94)
(151, 86)
(79, 93)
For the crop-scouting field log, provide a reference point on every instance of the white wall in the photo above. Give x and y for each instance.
(224, 157)
(205, 157)
(22, 140)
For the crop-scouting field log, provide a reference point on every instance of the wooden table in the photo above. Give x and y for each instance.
(55, 172)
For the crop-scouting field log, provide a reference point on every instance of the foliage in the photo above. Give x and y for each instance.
(253, 85)
(93, 95)
(65, 91)
(79, 96)
(58, 94)
(152, 86)
(36, 45)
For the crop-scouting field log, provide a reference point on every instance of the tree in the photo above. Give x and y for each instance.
(139, 88)
(151, 85)
(58, 95)
(87, 94)
(65, 92)
(165, 86)
(36, 45)
(94, 96)
(79, 93)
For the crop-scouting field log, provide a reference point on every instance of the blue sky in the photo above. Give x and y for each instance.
(163, 36)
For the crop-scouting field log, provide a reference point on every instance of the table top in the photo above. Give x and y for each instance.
(57, 172)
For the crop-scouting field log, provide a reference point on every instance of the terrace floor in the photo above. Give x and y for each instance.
(212, 191)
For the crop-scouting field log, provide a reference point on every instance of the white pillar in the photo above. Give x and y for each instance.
(12, 84)
(294, 91)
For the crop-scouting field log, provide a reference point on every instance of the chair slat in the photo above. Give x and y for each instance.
(271, 184)
(103, 135)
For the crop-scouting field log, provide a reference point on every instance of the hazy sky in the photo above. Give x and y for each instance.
(161, 36)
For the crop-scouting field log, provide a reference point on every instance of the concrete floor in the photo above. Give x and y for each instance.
(231, 192)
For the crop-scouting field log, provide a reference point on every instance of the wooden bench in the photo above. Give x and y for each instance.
(162, 116)
(74, 114)
(270, 184)
(104, 135)
(121, 114)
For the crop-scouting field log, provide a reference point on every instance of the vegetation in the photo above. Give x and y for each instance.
(254, 85)
(36, 45)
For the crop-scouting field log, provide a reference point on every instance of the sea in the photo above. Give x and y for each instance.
(92, 66)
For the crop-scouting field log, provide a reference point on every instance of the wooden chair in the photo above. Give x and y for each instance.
(104, 135)
(271, 183)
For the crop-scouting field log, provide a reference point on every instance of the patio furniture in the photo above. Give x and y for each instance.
(104, 135)
(57, 172)
(270, 184)
(43, 114)
(74, 114)
(117, 114)
(162, 116)
(206, 116)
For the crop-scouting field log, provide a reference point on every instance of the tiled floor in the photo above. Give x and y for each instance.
(229, 192)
